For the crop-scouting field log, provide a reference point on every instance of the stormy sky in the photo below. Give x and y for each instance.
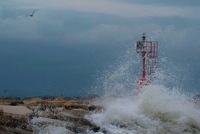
(68, 44)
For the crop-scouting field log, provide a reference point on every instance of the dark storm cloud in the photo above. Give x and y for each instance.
(76, 21)
(67, 41)
(178, 3)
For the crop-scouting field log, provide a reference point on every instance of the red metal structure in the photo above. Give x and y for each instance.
(149, 52)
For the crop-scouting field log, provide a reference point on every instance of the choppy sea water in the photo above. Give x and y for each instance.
(159, 109)
(155, 111)
(163, 107)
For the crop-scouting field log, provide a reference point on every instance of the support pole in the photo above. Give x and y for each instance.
(147, 49)
(143, 65)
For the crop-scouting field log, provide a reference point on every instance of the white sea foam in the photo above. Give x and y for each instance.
(156, 110)
(161, 108)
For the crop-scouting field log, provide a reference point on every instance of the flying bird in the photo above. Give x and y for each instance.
(33, 13)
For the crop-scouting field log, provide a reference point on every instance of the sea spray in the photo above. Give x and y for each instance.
(164, 107)
(156, 110)
(117, 80)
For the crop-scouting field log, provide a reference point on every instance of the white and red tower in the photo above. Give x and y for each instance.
(149, 52)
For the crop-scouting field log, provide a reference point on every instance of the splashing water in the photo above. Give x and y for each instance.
(156, 110)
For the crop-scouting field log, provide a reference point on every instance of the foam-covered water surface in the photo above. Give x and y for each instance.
(156, 110)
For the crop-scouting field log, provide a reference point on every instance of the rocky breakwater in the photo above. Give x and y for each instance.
(42, 116)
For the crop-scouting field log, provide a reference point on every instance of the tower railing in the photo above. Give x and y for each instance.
(149, 52)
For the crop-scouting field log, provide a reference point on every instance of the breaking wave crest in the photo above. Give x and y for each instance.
(160, 109)
(156, 110)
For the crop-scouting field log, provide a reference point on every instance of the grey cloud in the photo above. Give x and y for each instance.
(177, 3)
(91, 38)
(69, 26)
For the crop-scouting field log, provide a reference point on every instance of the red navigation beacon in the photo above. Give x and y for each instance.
(149, 52)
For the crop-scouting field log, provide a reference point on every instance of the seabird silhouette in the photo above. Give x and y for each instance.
(33, 13)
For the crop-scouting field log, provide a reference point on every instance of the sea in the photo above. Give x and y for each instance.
(166, 105)
(158, 109)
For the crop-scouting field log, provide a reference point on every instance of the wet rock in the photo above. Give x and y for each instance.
(78, 112)
(73, 104)
(10, 130)
(71, 121)
(80, 124)
(56, 103)
(59, 113)
(41, 123)
(1, 111)
(15, 103)
(60, 98)
(10, 122)
(35, 102)
(76, 106)
(5, 102)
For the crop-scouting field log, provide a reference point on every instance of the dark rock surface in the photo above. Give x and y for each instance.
(46, 114)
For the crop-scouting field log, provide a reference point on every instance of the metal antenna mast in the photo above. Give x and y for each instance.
(149, 52)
